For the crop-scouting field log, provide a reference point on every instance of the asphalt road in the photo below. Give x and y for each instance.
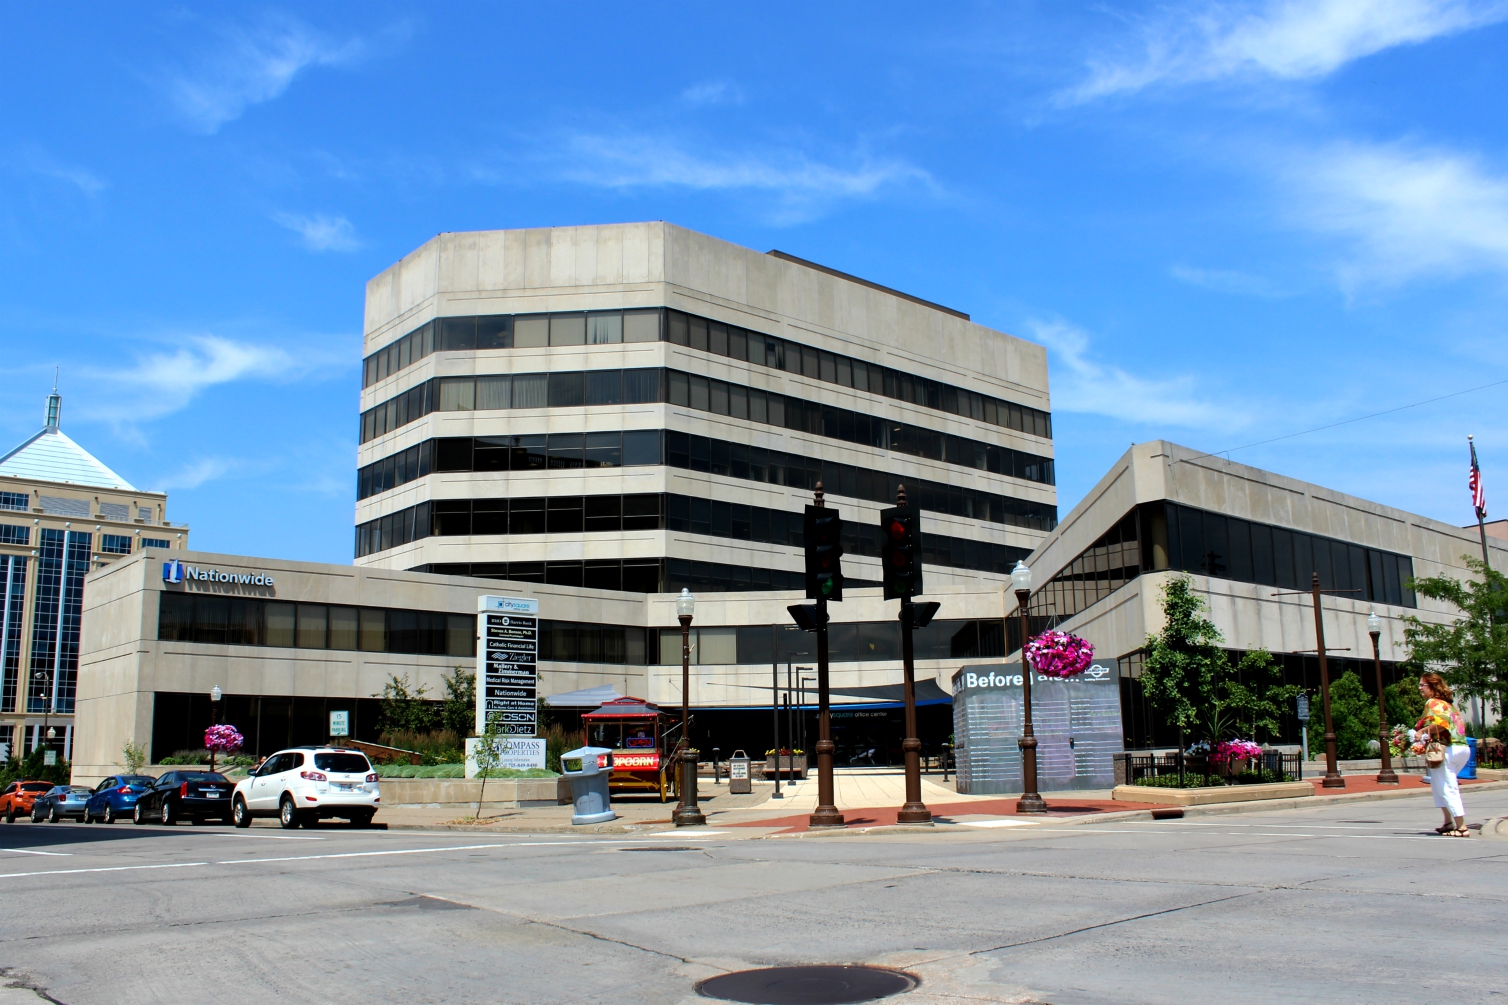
(1350, 903)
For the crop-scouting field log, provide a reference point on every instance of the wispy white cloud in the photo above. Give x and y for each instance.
(1226, 281)
(32, 159)
(1275, 39)
(320, 232)
(197, 473)
(1083, 384)
(713, 92)
(1406, 211)
(253, 65)
(801, 186)
(161, 383)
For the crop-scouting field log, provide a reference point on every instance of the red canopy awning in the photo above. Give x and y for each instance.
(623, 708)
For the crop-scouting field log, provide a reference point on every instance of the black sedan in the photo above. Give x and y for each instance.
(197, 795)
(61, 802)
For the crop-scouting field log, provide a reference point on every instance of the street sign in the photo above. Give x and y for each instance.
(1303, 709)
(50, 758)
(340, 723)
(507, 677)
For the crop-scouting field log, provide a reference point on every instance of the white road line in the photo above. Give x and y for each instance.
(363, 854)
(255, 837)
(28, 851)
(112, 868)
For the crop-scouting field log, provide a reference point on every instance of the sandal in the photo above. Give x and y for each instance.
(1445, 828)
(1454, 833)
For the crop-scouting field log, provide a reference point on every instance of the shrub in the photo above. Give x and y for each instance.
(557, 742)
(1190, 780)
(439, 746)
(200, 756)
(403, 710)
(1354, 714)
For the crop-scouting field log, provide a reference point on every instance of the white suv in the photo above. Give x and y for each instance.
(305, 784)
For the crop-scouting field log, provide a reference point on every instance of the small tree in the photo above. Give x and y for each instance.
(1187, 675)
(135, 757)
(1354, 716)
(1471, 652)
(491, 747)
(458, 714)
(402, 708)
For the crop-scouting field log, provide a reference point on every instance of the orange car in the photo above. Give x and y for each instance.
(18, 797)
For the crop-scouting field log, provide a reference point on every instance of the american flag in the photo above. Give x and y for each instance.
(1478, 495)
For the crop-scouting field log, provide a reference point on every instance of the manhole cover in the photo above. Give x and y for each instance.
(820, 985)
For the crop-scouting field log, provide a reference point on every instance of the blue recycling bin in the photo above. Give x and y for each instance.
(589, 795)
(1470, 771)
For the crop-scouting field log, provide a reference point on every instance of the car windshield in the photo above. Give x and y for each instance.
(80, 790)
(349, 764)
(204, 776)
(36, 787)
(145, 781)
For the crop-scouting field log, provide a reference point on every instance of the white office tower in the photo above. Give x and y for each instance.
(639, 408)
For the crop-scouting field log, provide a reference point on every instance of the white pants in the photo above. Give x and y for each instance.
(1442, 780)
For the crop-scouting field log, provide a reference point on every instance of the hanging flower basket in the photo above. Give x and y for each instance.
(1227, 751)
(1059, 654)
(223, 739)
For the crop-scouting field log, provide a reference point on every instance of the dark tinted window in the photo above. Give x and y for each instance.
(349, 764)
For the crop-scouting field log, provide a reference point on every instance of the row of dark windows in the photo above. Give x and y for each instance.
(1168, 536)
(613, 327)
(250, 621)
(669, 511)
(716, 396)
(635, 575)
(11, 533)
(539, 451)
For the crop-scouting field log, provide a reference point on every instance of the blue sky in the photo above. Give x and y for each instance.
(1227, 222)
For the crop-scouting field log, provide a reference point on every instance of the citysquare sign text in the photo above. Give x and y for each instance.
(175, 571)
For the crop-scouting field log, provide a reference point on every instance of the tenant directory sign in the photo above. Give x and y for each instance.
(508, 643)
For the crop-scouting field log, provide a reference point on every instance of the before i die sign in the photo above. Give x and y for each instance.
(507, 682)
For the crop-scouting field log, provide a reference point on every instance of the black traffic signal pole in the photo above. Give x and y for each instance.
(903, 579)
(824, 581)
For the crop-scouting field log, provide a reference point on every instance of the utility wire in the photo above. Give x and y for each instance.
(1346, 422)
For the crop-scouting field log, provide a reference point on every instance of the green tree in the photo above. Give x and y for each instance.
(458, 714)
(1471, 653)
(1354, 715)
(1190, 678)
(1404, 702)
(136, 757)
(402, 708)
(489, 751)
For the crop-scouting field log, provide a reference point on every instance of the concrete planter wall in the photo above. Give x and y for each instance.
(502, 793)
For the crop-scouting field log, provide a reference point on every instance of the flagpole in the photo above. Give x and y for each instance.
(1476, 479)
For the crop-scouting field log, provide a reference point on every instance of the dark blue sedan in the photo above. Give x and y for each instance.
(115, 798)
(61, 802)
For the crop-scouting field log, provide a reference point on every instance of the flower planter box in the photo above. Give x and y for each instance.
(1211, 794)
(791, 766)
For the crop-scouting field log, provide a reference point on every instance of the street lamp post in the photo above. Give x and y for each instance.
(687, 813)
(215, 694)
(1031, 801)
(41, 678)
(1387, 776)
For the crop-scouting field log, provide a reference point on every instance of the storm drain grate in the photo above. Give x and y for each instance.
(815, 985)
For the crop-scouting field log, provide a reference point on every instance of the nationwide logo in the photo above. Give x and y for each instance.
(176, 572)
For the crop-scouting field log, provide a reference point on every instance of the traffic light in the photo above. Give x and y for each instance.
(901, 553)
(824, 550)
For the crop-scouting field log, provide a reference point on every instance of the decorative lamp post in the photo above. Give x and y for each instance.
(41, 678)
(687, 813)
(215, 694)
(1386, 776)
(1031, 801)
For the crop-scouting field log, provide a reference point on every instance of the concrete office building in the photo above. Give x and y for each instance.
(63, 514)
(1242, 535)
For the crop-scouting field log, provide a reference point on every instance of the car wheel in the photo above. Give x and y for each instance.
(87, 818)
(137, 816)
(34, 818)
(10, 815)
(53, 816)
(165, 816)
(109, 817)
(288, 814)
(239, 814)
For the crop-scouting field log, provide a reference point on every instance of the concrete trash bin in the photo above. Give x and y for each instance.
(589, 795)
(739, 781)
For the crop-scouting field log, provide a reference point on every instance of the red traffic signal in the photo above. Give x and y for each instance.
(901, 552)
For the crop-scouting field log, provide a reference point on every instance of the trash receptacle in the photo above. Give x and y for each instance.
(1470, 771)
(589, 795)
(738, 774)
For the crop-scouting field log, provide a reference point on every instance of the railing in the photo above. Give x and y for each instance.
(1139, 766)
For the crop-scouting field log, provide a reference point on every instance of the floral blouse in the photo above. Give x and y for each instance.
(1438, 712)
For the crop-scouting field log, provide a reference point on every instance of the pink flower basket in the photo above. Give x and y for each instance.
(1227, 751)
(223, 739)
(1059, 654)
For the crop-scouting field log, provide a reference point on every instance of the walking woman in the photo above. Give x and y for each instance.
(1441, 721)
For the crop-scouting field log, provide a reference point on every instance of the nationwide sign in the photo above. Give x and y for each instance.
(176, 572)
(508, 641)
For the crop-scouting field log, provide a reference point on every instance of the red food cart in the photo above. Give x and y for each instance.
(634, 730)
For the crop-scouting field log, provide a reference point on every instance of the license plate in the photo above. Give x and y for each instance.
(345, 786)
(214, 793)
